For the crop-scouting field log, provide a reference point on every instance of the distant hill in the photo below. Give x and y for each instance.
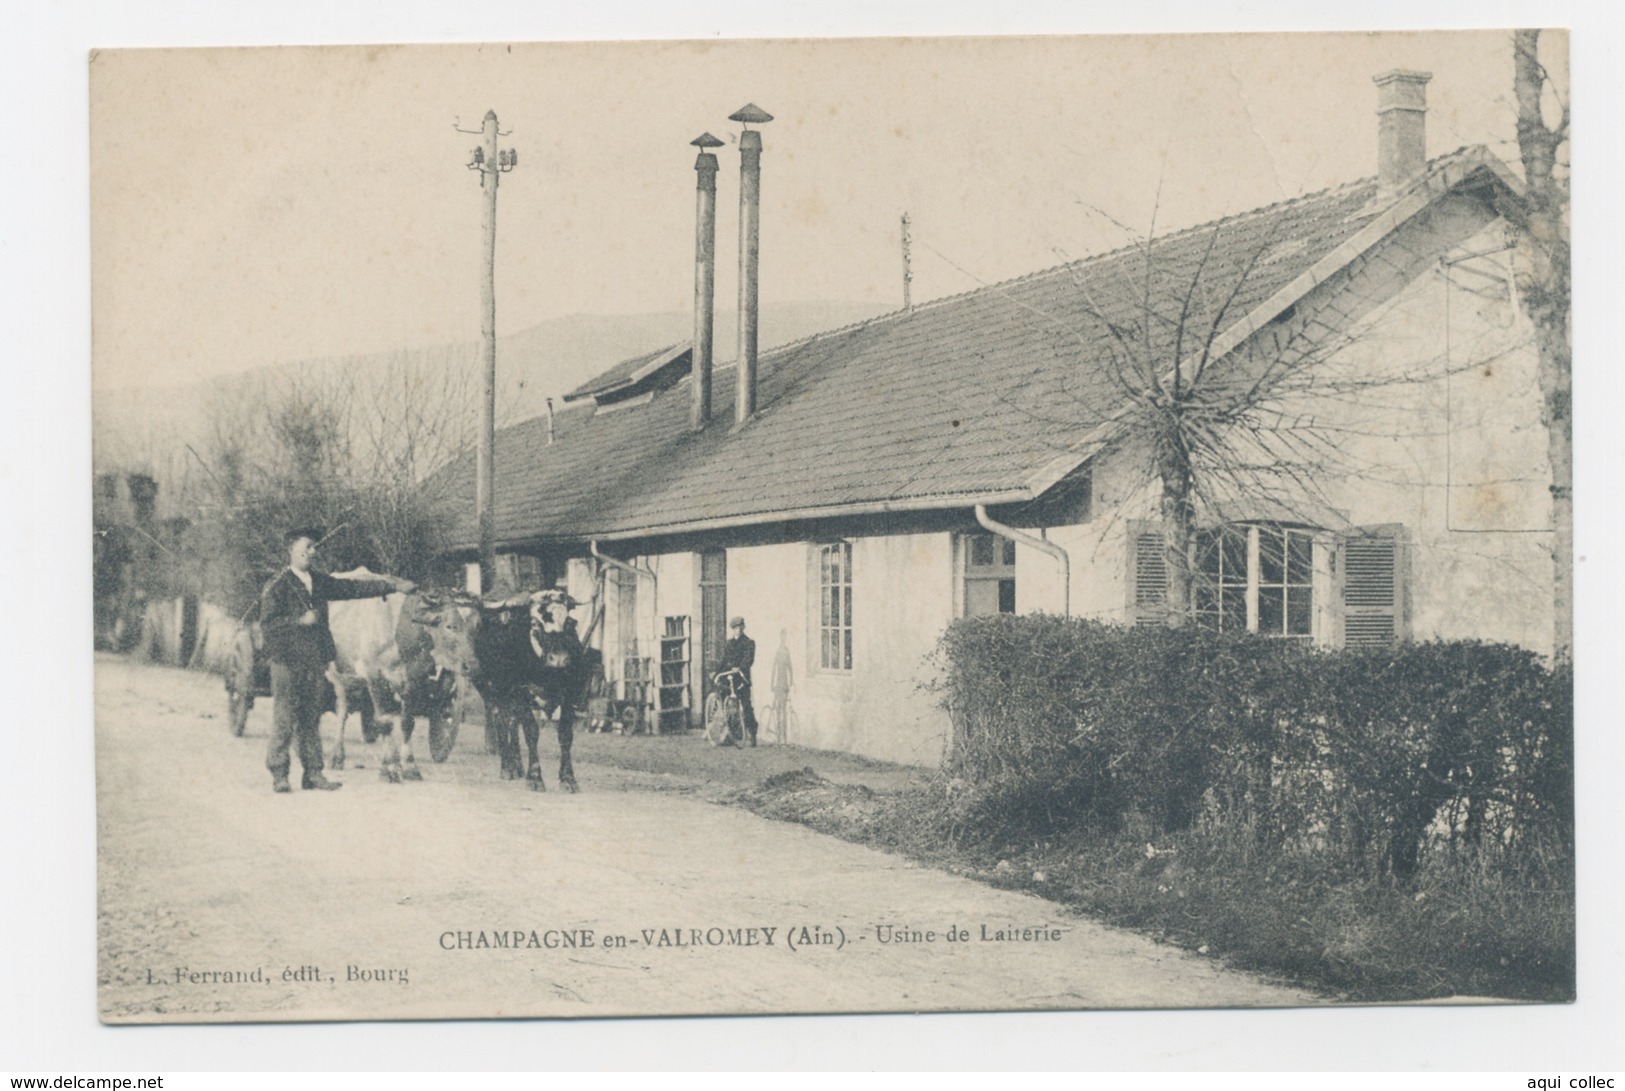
(149, 428)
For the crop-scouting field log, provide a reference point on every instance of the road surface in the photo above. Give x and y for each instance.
(468, 896)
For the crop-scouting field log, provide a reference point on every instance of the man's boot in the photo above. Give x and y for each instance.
(279, 783)
(317, 782)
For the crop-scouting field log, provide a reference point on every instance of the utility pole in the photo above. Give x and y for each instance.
(491, 164)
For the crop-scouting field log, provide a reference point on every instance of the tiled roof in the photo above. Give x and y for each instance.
(627, 374)
(963, 400)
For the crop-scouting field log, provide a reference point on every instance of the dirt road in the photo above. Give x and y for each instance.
(468, 896)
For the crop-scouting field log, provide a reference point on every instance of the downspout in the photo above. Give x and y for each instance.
(1051, 548)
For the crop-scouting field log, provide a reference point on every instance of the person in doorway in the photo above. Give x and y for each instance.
(740, 654)
(293, 616)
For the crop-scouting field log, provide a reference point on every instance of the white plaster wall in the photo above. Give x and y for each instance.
(902, 600)
(1460, 459)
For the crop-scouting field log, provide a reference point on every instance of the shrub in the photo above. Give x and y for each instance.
(1361, 759)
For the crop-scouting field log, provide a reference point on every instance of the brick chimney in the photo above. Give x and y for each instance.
(1402, 106)
(705, 275)
(750, 222)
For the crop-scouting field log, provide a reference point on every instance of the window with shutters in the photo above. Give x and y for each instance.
(835, 606)
(1280, 581)
(990, 574)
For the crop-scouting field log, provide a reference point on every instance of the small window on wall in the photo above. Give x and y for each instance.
(835, 606)
(990, 574)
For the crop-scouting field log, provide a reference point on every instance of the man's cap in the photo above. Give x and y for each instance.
(737, 623)
(315, 534)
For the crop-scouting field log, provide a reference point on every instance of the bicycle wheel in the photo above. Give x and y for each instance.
(733, 715)
(716, 723)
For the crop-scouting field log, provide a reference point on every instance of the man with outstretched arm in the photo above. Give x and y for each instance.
(293, 616)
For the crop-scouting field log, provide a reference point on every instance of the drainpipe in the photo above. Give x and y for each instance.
(1051, 548)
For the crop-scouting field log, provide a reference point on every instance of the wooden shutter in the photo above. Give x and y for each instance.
(1374, 591)
(1147, 573)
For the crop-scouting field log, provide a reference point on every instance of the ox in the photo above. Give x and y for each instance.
(527, 655)
(400, 654)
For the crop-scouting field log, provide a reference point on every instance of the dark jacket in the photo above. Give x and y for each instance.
(285, 599)
(739, 652)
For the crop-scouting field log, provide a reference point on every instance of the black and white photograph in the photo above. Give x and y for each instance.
(848, 549)
(833, 526)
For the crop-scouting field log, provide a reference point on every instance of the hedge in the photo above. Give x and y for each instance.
(1369, 758)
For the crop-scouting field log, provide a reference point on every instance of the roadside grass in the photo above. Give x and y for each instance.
(1460, 929)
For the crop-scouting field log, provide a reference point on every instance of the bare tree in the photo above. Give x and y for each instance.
(1541, 271)
(1216, 420)
(348, 448)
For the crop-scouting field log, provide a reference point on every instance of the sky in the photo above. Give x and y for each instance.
(250, 206)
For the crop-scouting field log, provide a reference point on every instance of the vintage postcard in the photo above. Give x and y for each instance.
(832, 526)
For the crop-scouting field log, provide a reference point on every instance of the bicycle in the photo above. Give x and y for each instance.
(724, 712)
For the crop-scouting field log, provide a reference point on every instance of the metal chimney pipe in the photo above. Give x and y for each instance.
(705, 276)
(1402, 107)
(750, 222)
(550, 422)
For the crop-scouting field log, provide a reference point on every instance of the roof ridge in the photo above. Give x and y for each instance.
(1037, 274)
(1052, 270)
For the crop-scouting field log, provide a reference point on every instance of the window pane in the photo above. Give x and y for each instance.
(1299, 611)
(1270, 560)
(1009, 553)
(1235, 556)
(1207, 557)
(1233, 607)
(981, 550)
(846, 611)
(1271, 611)
(1206, 598)
(846, 662)
(1300, 566)
(1007, 596)
(981, 597)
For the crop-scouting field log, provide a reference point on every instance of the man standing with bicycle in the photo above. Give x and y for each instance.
(740, 655)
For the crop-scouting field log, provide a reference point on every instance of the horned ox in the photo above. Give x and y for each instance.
(407, 652)
(526, 654)
(403, 654)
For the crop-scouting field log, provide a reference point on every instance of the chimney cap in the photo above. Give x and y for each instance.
(1401, 89)
(1401, 74)
(706, 140)
(751, 114)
